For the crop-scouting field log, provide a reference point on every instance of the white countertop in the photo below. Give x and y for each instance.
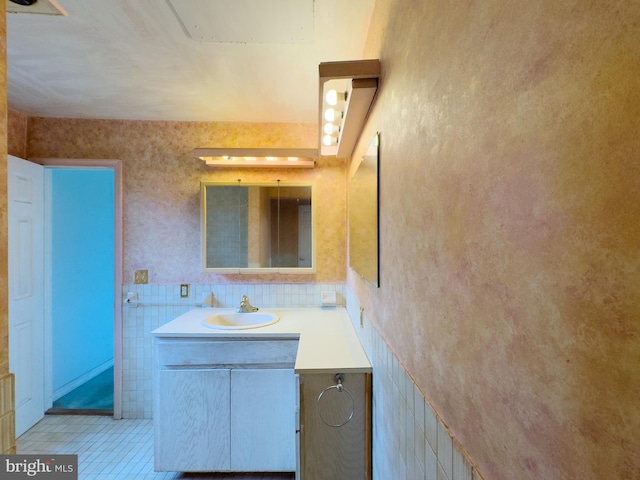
(327, 341)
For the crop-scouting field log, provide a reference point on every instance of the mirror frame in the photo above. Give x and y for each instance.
(257, 270)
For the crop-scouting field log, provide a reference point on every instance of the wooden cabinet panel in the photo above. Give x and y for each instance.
(192, 420)
(330, 452)
(263, 420)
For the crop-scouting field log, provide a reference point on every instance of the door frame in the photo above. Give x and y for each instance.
(116, 166)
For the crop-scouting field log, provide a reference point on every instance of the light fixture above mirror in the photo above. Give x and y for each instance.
(258, 157)
(347, 90)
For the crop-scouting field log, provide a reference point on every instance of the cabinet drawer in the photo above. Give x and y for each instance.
(175, 352)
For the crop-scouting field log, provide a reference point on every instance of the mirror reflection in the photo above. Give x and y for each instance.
(249, 226)
(363, 216)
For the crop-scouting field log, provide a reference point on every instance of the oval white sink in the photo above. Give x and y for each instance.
(237, 321)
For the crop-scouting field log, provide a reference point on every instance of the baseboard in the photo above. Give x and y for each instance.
(79, 411)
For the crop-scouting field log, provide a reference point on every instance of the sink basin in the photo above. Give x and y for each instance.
(238, 321)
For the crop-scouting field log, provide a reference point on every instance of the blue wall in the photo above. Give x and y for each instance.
(82, 270)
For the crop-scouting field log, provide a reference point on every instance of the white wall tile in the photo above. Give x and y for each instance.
(419, 443)
(409, 439)
(445, 450)
(431, 427)
(431, 463)
(418, 402)
(461, 467)
(442, 475)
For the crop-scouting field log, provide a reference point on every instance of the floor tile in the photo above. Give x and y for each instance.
(111, 449)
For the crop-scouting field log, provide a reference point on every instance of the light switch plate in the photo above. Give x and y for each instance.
(184, 290)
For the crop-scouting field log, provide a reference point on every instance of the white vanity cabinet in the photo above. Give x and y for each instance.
(263, 420)
(224, 405)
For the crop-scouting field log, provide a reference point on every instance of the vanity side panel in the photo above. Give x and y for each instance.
(327, 452)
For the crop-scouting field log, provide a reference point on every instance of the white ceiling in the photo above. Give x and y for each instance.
(254, 60)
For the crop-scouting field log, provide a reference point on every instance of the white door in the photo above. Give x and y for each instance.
(304, 236)
(26, 289)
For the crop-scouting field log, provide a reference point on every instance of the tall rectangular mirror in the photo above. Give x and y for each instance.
(257, 228)
(363, 216)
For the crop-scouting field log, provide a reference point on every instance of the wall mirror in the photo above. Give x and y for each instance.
(257, 228)
(363, 215)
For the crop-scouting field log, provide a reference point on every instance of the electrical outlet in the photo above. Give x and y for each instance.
(184, 290)
(141, 276)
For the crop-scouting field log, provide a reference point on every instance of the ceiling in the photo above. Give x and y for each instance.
(180, 60)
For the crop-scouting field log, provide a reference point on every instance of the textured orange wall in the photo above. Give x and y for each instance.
(162, 188)
(510, 226)
(17, 125)
(4, 272)
(7, 396)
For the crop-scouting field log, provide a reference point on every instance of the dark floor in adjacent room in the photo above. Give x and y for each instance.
(94, 397)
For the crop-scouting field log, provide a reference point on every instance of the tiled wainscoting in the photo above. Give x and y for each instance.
(410, 441)
(159, 304)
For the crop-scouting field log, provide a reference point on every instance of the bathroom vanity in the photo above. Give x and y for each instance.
(289, 396)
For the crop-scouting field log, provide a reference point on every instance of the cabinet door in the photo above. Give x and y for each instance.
(191, 420)
(263, 420)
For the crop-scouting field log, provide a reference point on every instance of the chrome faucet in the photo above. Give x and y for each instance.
(245, 306)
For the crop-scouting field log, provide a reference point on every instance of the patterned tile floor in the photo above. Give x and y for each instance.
(110, 449)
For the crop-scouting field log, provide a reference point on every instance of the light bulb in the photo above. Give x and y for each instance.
(333, 97)
(331, 114)
(330, 128)
(328, 140)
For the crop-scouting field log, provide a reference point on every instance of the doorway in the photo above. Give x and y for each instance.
(83, 279)
(79, 220)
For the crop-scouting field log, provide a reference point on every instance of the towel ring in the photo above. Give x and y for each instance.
(339, 388)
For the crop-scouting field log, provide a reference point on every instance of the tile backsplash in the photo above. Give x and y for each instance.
(156, 305)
